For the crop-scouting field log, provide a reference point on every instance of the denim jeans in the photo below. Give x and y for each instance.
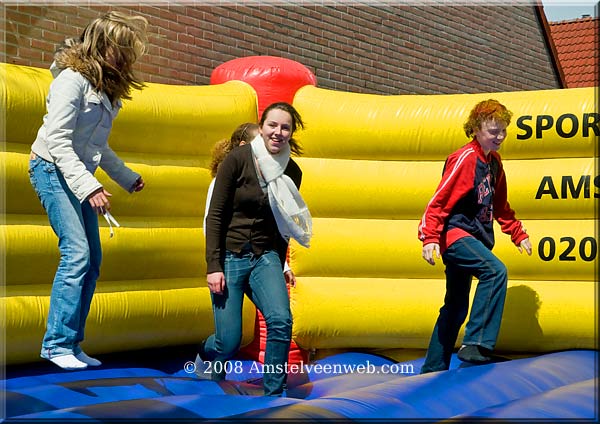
(76, 226)
(465, 258)
(261, 278)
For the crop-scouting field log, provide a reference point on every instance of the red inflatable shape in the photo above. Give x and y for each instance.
(274, 79)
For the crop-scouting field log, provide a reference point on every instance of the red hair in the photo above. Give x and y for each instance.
(487, 110)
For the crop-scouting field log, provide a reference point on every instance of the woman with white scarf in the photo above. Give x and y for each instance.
(255, 209)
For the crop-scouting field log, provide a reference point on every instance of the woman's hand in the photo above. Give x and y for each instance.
(139, 184)
(216, 282)
(290, 278)
(99, 201)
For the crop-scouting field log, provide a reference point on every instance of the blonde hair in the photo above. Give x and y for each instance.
(245, 132)
(116, 34)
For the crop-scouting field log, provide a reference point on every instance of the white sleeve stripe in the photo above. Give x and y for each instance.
(459, 162)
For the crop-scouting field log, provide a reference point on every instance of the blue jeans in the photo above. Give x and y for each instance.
(465, 258)
(261, 278)
(76, 226)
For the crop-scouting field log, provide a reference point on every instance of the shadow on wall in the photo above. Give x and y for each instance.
(520, 328)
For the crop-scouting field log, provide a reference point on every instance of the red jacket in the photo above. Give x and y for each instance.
(471, 194)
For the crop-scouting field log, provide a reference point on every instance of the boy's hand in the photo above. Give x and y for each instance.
(525, 245)
(429, 250)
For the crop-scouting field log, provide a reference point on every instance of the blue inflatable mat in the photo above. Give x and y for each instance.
(349, 386)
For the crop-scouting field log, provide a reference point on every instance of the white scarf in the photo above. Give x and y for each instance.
(291, 214)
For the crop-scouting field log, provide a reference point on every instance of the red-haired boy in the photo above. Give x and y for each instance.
(458, 223)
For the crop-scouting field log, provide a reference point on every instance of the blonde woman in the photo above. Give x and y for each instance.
(91, 75)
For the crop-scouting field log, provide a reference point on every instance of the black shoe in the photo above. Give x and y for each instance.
(474, 354)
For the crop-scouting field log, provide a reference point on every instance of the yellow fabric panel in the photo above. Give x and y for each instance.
(391, 313)
(390, 249)
(417, 127)
(23, 91)
(182, 119)
(120, 319)
(135, 252)
(172, 191)
(163, 184)
(43, 289)
(20, 196)
(160, 119)
(341, 188)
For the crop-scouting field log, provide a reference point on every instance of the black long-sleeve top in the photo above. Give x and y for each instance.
(239, 214)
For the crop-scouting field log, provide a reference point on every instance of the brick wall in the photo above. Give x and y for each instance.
(367, 49)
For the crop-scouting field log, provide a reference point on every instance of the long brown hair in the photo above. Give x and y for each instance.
(122, 37)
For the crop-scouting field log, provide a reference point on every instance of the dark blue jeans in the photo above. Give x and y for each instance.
(464, 259)
(261, 278)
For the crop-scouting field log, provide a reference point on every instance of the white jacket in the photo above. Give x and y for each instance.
(74, 134)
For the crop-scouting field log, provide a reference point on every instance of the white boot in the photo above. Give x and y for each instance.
(92, 362)
(69, 362)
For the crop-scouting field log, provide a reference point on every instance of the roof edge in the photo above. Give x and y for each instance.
(541, 15)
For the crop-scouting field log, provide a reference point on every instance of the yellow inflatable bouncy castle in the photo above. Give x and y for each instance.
(371, 163)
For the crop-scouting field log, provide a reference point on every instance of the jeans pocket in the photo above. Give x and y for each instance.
(33, 164)
(49, 167)
(44, 176)
(231, 257)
